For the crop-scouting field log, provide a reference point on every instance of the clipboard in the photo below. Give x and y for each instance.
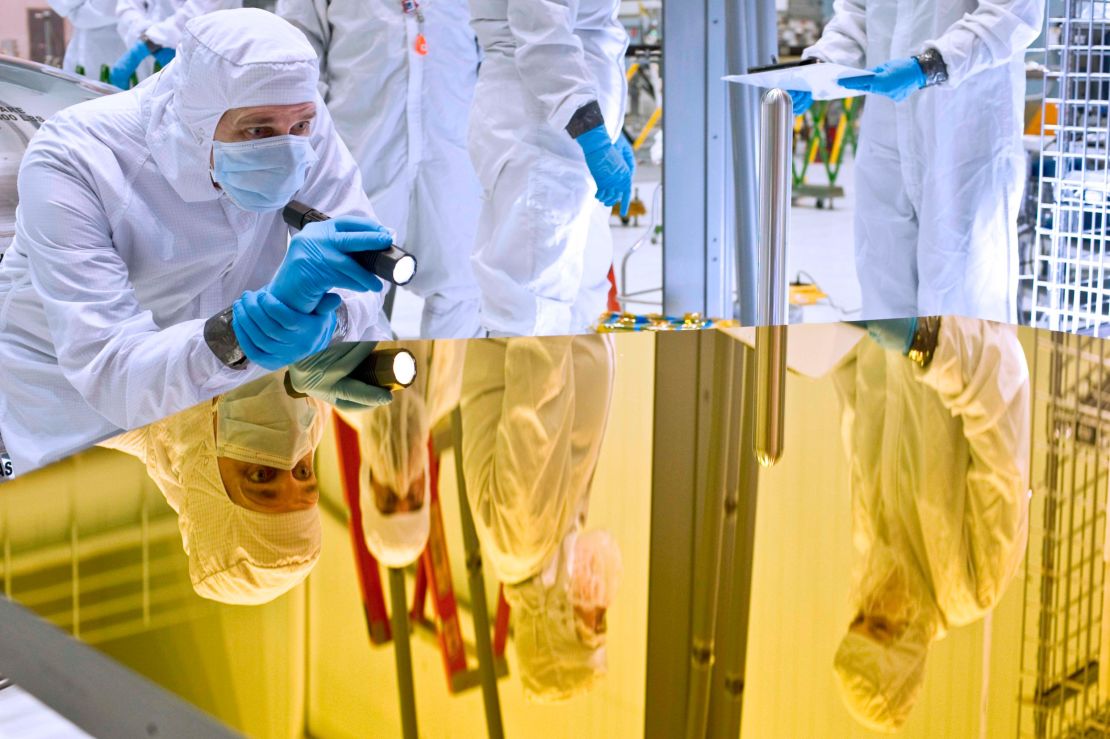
(818, 78)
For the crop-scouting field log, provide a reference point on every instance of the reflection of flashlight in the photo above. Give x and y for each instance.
(391, 369)
(393, 264)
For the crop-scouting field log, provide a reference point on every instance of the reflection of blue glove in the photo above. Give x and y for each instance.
(624, 146)
(325, 376)
(274, 335)
(608, 168)
(125, 66)
(164, 56)
(895, 79)
(895, 334)
(319, 258)
(801, 99)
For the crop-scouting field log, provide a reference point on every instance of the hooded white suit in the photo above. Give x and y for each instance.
(124, 247)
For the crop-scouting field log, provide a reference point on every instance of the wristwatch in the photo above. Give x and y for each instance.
(221, 339)
(924, 341)
(932, 64)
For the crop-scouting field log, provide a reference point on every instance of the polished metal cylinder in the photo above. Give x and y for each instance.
(776, 139)
(774, 212)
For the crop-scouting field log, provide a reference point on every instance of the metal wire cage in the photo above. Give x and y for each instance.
(1062, 618)
(1068, 271)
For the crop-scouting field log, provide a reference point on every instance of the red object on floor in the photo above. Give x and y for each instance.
(369, 577)
(614, 305)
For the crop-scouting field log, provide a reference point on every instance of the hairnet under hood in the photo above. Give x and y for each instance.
(235, 555)
(394, 452)
(227, 59)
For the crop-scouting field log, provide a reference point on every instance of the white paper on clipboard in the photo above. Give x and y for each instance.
(812, 349)
(819, 79)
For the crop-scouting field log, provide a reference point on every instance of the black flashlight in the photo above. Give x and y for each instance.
(393, 264)
(391, 369)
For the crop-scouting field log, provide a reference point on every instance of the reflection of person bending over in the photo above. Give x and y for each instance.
(936, 425)
(238, 470)
(151, 268)
(534, 412)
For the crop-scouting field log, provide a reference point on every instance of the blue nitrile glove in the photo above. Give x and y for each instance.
(125, 66)
(319, 259)
(611, 175)
(801, 100)
(273, 335)
(895, 334)
(164, 56)
(325, 376)
(896, 79)
(624, 146)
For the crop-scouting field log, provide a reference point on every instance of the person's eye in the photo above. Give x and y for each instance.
(301, 128)
(262, 475)
(259, 132)
(302, 472)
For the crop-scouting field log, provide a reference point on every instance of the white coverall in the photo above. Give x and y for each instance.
(403, 116)
(534, 412)
(162, 21)
(939, 176)
(95, 41)
(124, 247)
(939, 462)
(543, 250)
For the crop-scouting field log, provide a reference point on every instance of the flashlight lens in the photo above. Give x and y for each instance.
(404, 368)
(404, 269)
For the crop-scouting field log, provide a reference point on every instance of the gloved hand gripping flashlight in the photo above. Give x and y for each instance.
(393, 264)
(392, 369)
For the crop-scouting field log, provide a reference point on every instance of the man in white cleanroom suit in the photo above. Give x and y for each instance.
(939, 479)
(534, 412)
(938, 175)
(547, 110)
(122, 295)
(95, 40)
(238, 471)
(399, 87)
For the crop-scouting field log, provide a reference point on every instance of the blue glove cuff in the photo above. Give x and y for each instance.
(909, 336)
(593, 140)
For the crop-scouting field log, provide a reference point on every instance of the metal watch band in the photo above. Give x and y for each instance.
(342, 323)
(932, 64)
(586, 118)
(925, 341)
(221, 339)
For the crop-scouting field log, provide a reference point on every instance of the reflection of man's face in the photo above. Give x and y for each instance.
(876, 628)
(388, 501)
(269, 489)
(590, 623)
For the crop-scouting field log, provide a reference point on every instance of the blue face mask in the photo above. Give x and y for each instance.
(262, 175)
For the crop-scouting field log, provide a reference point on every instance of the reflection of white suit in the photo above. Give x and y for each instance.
(534, 412)
(939, 462)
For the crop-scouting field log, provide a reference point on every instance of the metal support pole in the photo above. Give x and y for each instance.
(770, 338)
(728, 680)
(402, 652)
(477, 582)
(714, 530)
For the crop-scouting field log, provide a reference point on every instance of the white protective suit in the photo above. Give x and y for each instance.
(163, 21)
(939, 462)
(543, 250)
(124, 247)
(95, 41)
(534, 412)
(403, 116)
(939, 176)
(236, 555)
